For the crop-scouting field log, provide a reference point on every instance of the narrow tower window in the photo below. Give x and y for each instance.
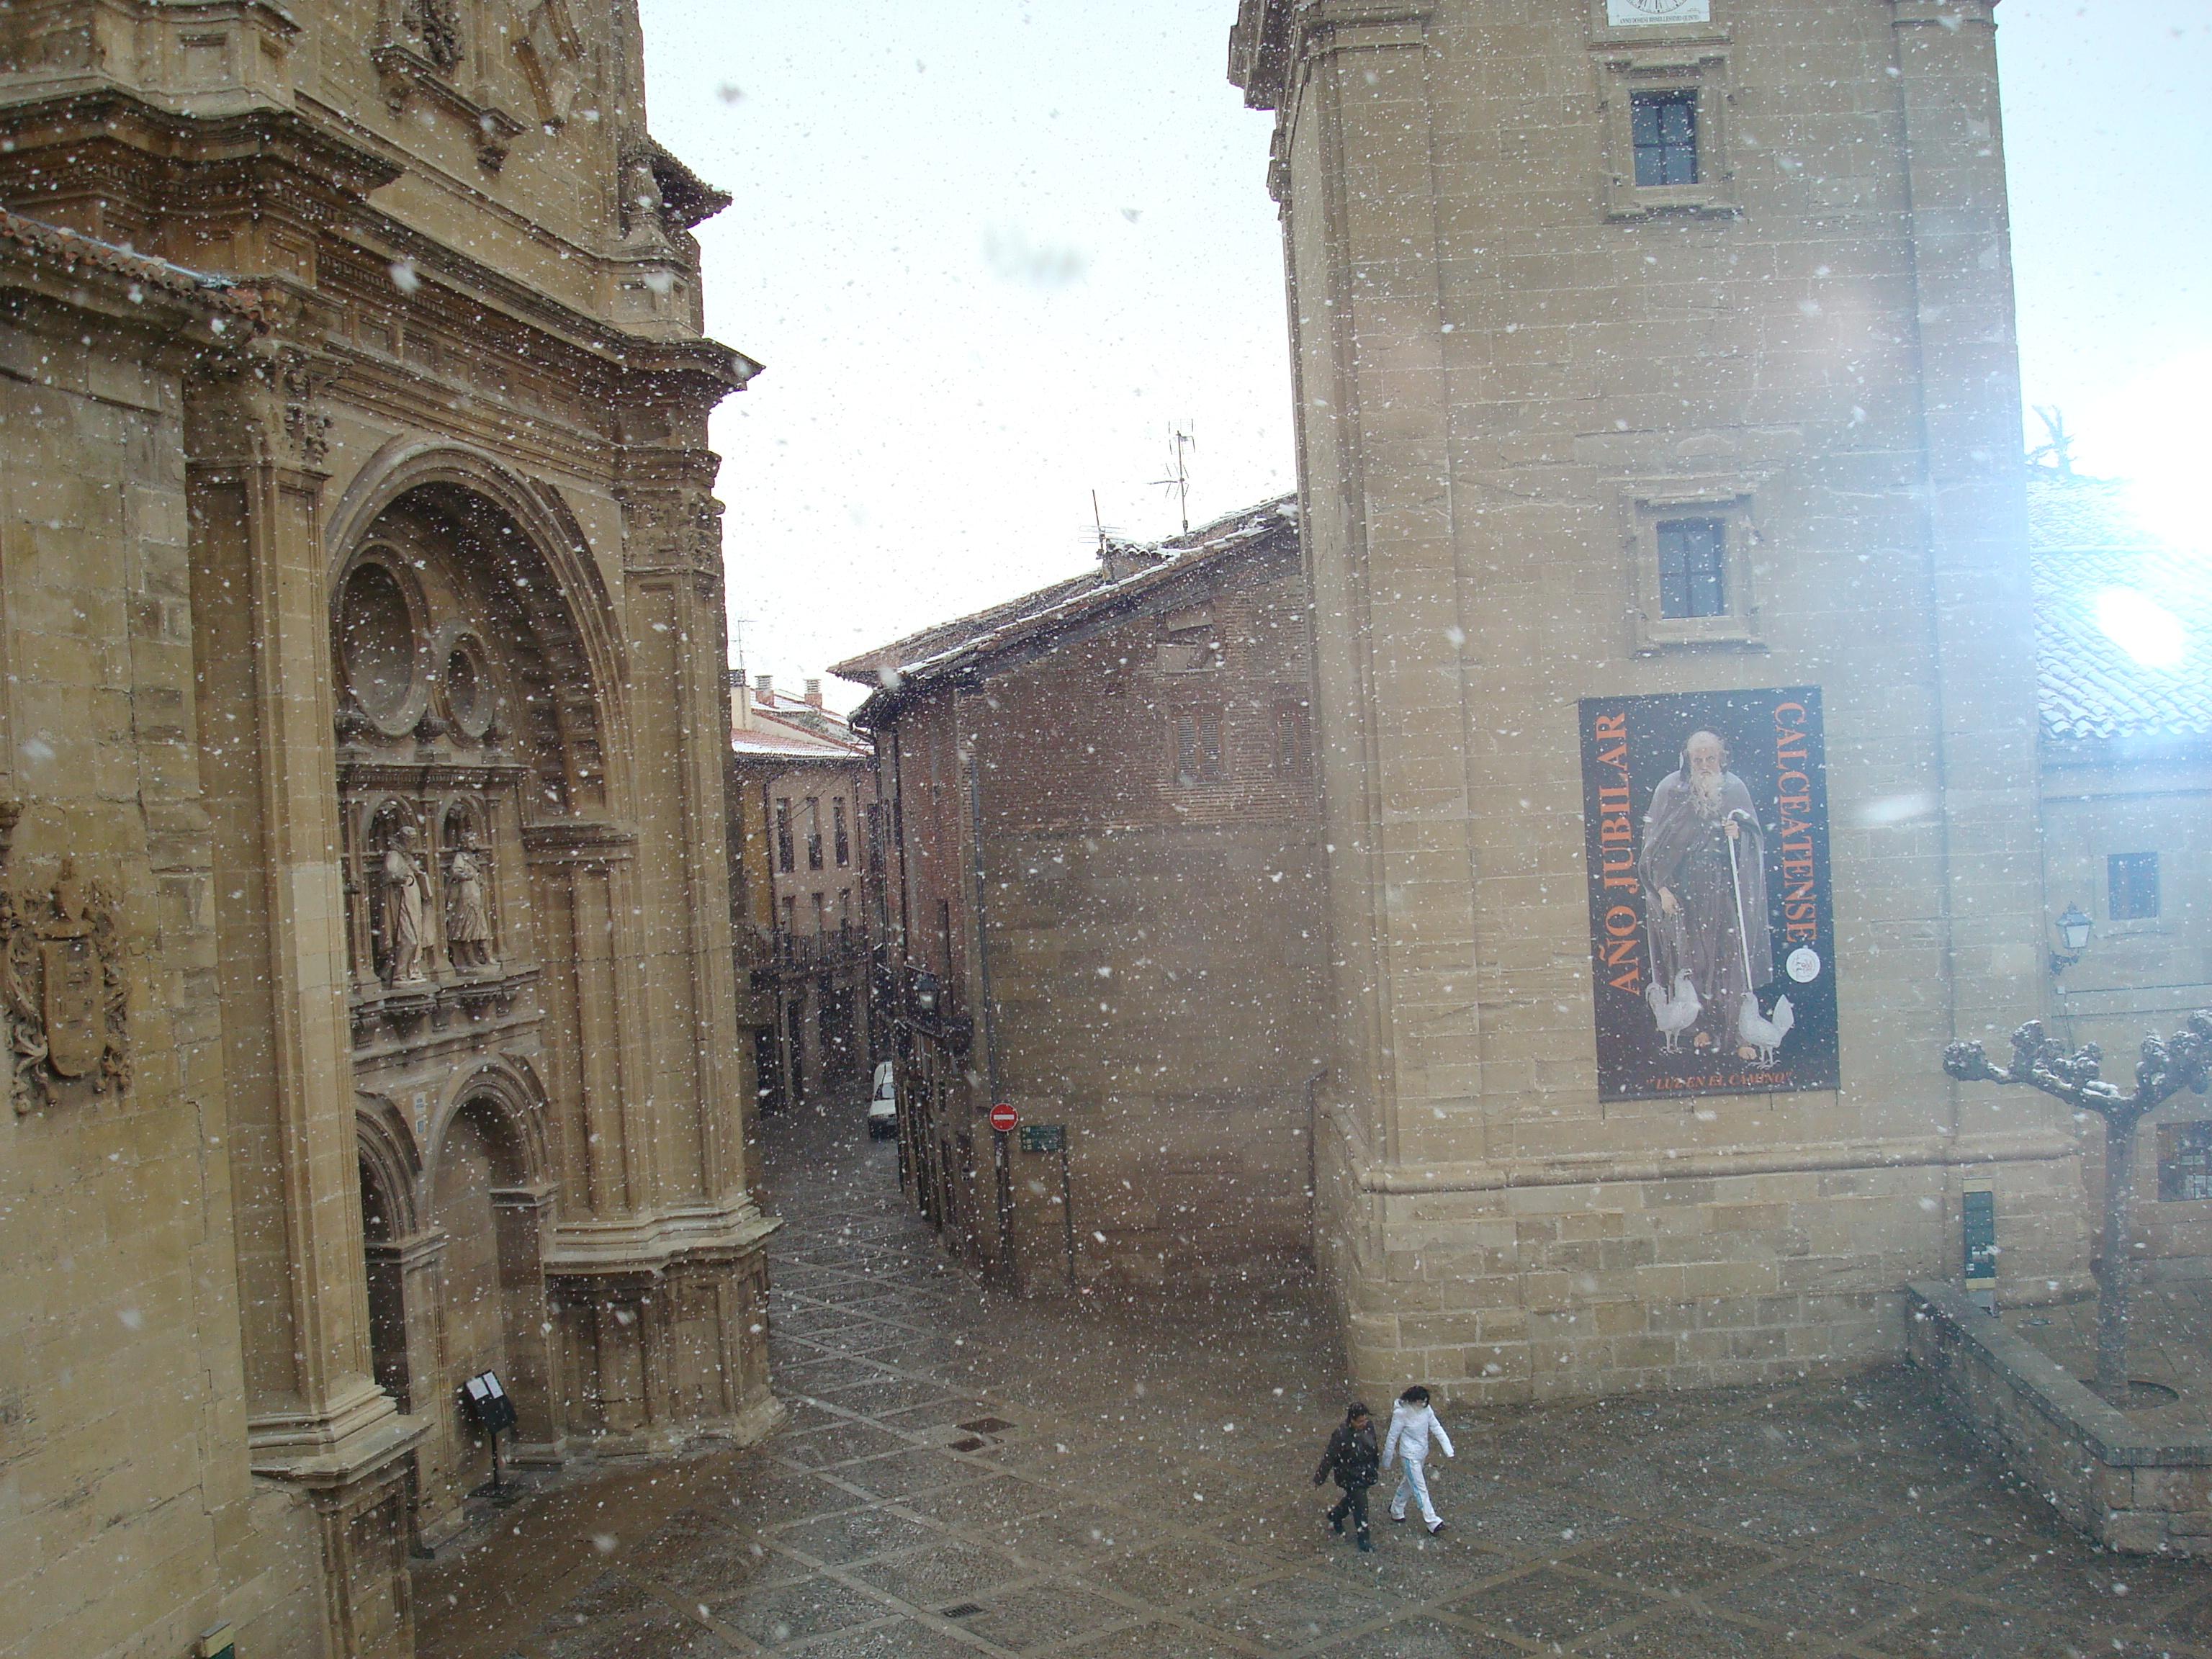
(1692, 568)
(1664, 127)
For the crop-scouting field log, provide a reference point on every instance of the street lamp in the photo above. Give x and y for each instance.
(925, 993)
(2073, 928)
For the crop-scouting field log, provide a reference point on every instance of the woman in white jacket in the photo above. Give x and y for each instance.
(1414, 1426)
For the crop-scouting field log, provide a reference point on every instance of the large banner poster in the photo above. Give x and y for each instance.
(1712, 945)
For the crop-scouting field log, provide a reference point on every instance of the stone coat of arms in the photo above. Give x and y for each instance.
(63, 986)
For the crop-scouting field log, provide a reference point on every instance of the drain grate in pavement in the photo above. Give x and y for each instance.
(964, 1610)
(988, 1425)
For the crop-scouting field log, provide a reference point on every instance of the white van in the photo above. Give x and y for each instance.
(883, 1105)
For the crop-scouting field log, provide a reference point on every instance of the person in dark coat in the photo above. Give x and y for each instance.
(1353, 1459)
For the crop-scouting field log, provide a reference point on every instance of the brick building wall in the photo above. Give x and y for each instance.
(1129, 807)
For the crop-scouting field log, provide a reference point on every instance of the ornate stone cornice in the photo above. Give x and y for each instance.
(300, 191)
(579, 841)
(1943, 14)
(674, 524)
(646, 1246)
(304, 151)
(267, 404)
(210, 56)
(1260, 50)
(407, 73)
(81, 284)
(1271, 37)
(1594, 1168)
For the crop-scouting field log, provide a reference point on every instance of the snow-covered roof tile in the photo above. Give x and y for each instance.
(965, 642)
(71, 249)
(2123, 617)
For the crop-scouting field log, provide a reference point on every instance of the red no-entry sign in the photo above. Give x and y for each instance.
(1003, 1118)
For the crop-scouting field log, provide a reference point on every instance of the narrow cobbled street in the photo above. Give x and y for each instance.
(959, 1476)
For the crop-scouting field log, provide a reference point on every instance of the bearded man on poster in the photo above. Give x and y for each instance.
(1697, 811)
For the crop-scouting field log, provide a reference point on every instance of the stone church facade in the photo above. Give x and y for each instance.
(365, 913)
(1565, 279)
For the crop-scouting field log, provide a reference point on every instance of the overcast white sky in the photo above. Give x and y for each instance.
(992, 250)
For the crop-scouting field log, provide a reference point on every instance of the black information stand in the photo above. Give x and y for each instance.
(494, 1411)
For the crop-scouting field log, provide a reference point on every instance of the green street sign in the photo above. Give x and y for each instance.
(1981, 1224)
(1044, 1137)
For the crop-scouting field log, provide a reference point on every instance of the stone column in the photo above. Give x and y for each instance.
(368, 1605)
(586, 878)
(519, 1214)
(672, 568)
(1355, 172)
(417, 1263)
(1980, 601)
(617, 1334)
(260, 595)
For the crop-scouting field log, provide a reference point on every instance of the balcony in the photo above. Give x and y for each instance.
(795, 956)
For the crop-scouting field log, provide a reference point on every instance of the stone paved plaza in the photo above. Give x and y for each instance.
(959, 1476)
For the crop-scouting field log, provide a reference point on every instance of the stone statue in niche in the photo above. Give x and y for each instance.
(406, 903)
(640, 202)
(551, 54)
(468, 906)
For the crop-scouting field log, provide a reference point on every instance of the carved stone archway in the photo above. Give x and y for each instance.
(476, 680)
(568, 604)
(489, 1195)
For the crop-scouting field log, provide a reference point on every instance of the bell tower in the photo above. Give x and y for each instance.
(1655, 373)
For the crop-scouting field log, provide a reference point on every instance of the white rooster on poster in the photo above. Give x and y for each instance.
(1675, 1012)
(1763, 1032)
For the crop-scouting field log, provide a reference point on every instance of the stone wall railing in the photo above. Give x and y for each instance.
(2128, 1485)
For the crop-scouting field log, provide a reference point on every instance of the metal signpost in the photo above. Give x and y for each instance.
(1981, 1248)
(494, 1411)
(1053, 1138)
(1003, 1120)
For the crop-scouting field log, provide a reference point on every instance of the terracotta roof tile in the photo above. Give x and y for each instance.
(771, 736)
(72, 248)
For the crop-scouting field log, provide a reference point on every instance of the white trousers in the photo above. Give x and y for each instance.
(1412, 1481)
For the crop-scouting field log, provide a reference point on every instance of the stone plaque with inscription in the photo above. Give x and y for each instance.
(1629, 12)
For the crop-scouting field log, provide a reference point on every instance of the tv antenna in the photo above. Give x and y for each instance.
(1107, 535)
(1177, 482)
